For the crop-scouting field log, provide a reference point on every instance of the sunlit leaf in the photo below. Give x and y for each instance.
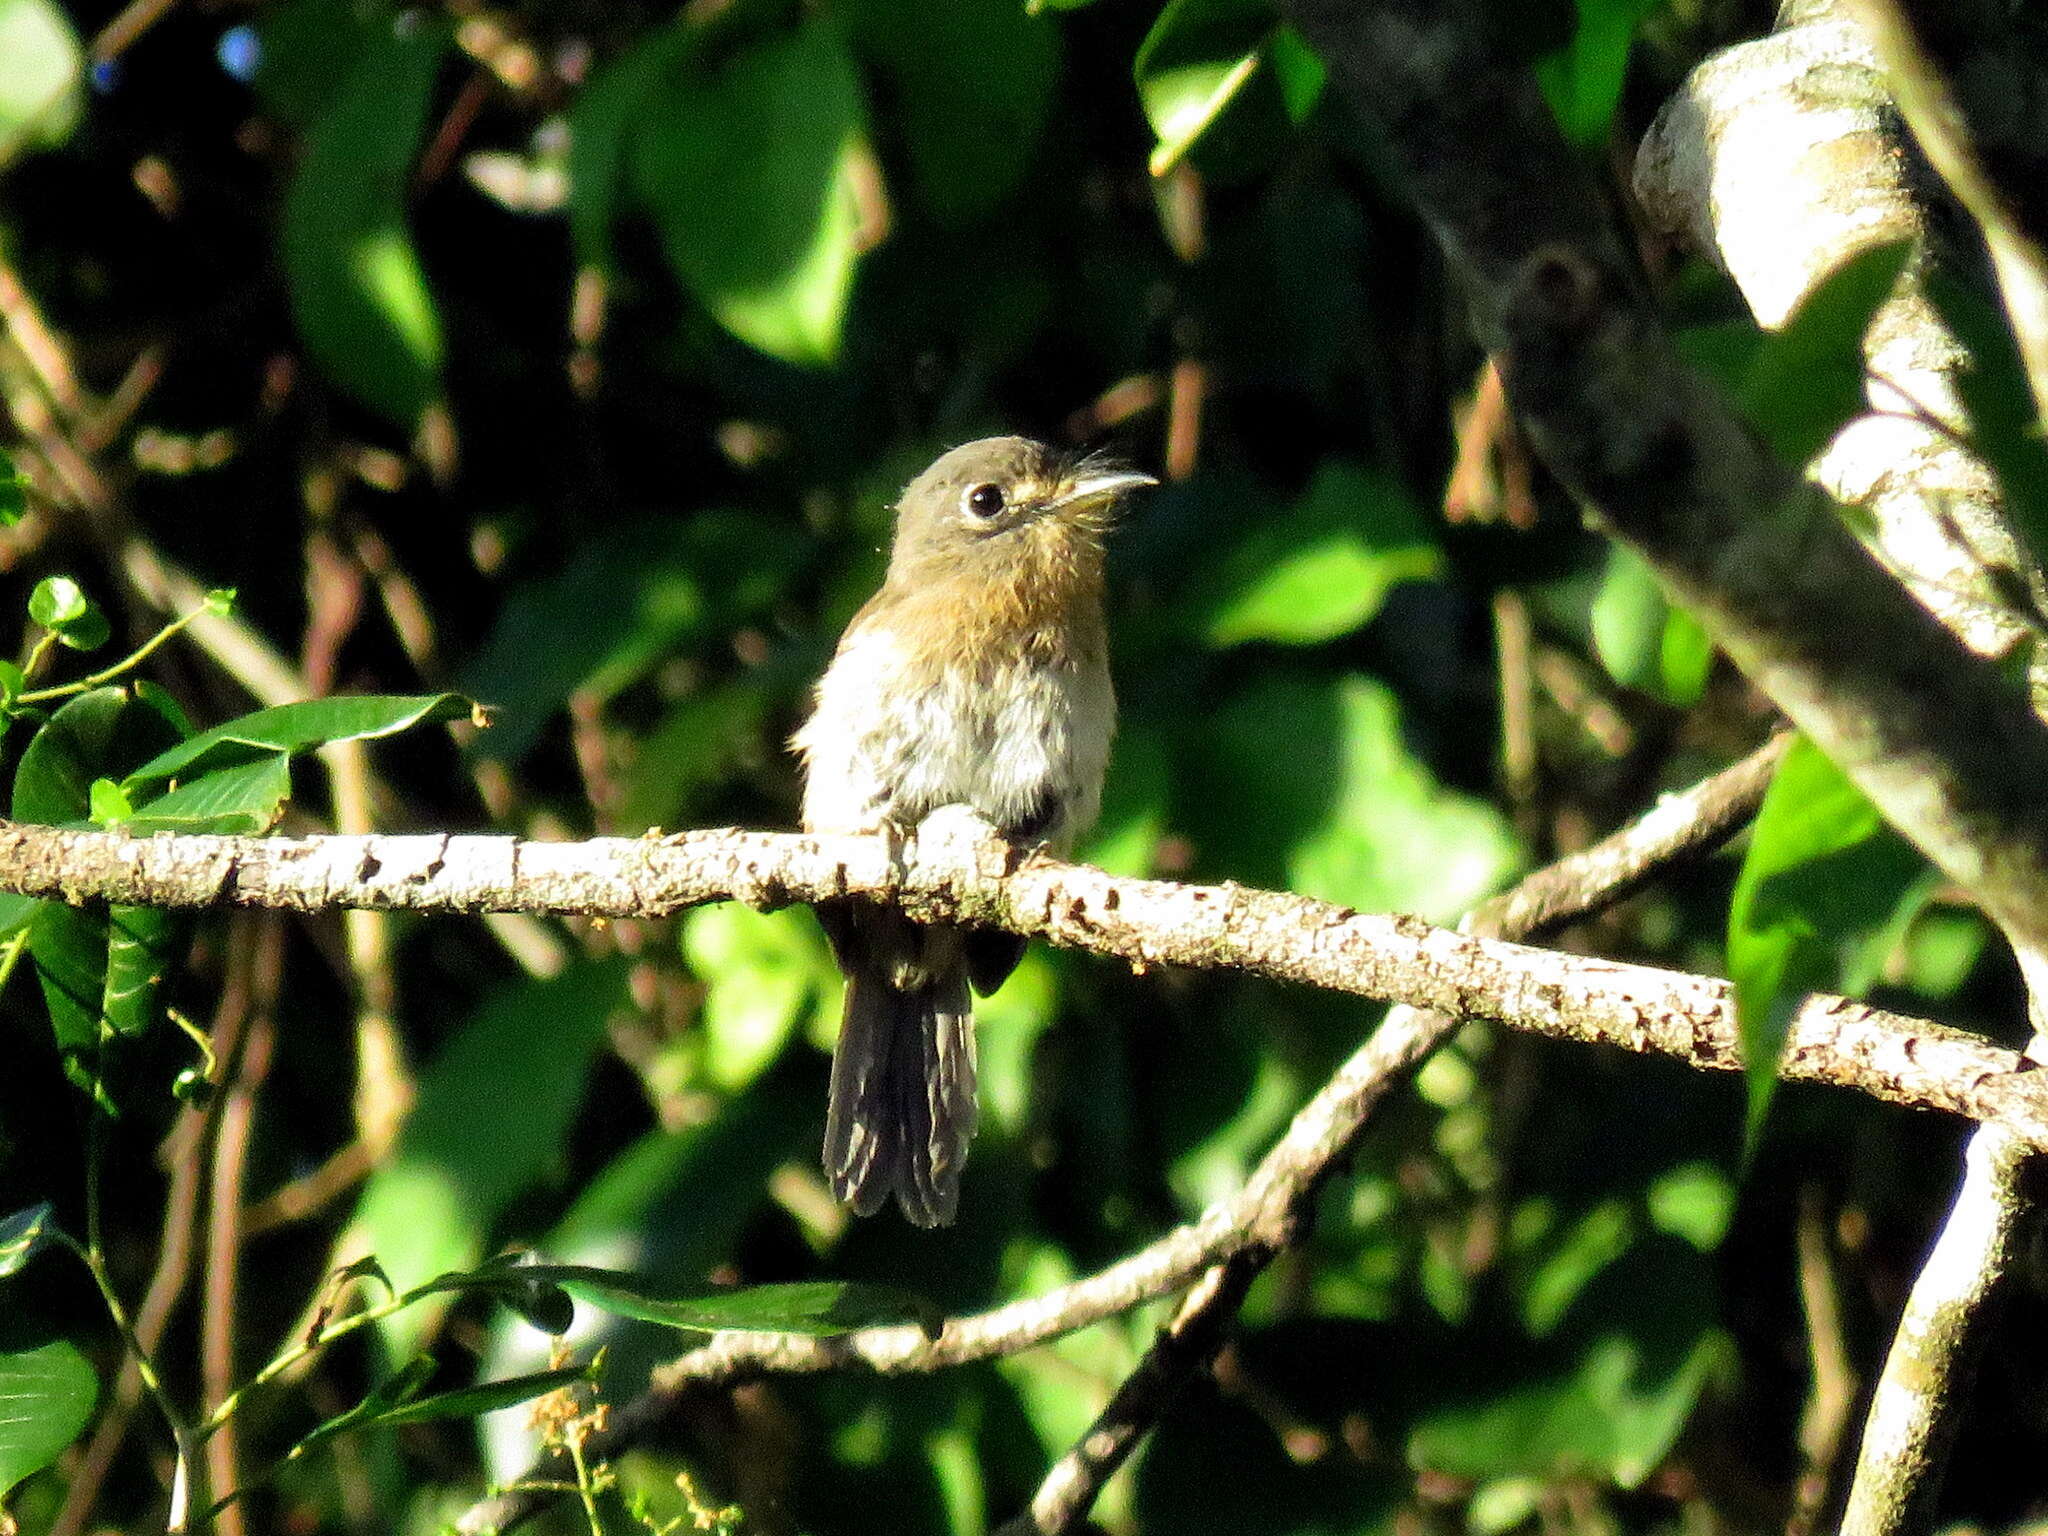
(289, 728)
(238, 798)
(1583, 80)
(815, 1308)
(1310, 785)
(358, 293)
(13, 492)
(1323, 567)
(1200, 55)
(763, 971)
(23, 1235)
(44, 67)
(1825, 889)
(47, 1391)
(747, 172)
(1643, 639)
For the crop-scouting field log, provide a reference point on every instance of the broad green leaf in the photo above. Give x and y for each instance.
(69, 948)
(815, 1308)
(42, 67)
(23, 1235)
(1323, 567)
(239, 798)
(358, 294)
(139, 945)
(53, 784)
(493, 1114)
(1685, 659)
(12, 681)
(13, 492)
(1200, 55)
(973, 84)
(1805, 382)
(47, 1393)
(747, 173)
(763, 973)
(69, 945)
(397, 1400)
(292, 728)
(1824, 891)
(1310, 785)
(1583, 80)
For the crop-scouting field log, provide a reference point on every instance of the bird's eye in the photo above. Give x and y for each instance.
(986, 500)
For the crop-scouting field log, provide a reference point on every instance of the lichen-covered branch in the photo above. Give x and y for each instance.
(954, 873)
(1940, 740)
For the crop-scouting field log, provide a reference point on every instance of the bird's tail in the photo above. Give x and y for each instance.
(903, 1108)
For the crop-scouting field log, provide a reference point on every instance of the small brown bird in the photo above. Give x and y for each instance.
(977, 676)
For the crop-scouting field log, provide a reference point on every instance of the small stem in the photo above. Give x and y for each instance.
(225, 1410)
(584, 1488)
(88, 1254)
(38, 656)
(106, 675)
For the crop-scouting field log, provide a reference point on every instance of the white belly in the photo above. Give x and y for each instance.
(1024, 740)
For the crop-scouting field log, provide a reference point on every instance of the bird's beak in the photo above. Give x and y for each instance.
(1093, 490)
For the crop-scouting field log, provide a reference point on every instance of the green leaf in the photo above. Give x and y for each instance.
(747, 172)
(107, 804)
(23, 1235)
(1805, 382)
(1583, 80)
(1322, 568)
(970, 130)
(290, 728)
(13, 492)
(58, 603)
(69, 948)
(12, 681)
(1310, 785)
(307, 53)
(40, 87)
(813, 1308)
(1644, 640)
(1824, 891)
(240, 798)
(494, 1112)
(763, 973)
(1200, 55)
(397, 1400)
(48, 1389)
(358, 294)
(139, 946)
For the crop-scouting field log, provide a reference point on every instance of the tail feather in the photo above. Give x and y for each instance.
(903, 1102)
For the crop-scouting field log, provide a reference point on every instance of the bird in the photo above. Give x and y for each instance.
(977, 676)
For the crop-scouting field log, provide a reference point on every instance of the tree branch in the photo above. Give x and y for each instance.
(953, 873)
(1941, 742)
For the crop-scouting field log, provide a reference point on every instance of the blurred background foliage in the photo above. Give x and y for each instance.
(568, 356)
